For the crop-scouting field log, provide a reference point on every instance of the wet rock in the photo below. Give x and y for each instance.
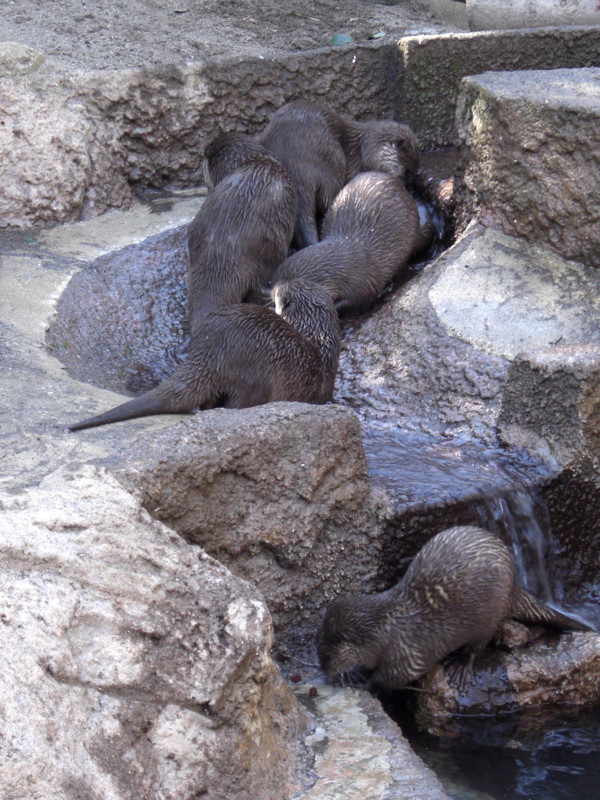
(552, 404)
(531, 157)
(278, 493)
(554, 669)
(361, 752)
(436, 356)
(133, 665)
(18, 59)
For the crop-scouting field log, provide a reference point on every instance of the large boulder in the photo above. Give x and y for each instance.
(278, 493)
(133, 665)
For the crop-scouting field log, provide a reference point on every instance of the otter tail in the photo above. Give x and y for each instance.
(526, 608)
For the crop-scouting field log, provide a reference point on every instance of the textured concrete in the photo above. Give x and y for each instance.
(75, 144)
(433, 67)
(531, 157)
(492, 15)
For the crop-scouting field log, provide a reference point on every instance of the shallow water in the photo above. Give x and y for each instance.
(543, 754)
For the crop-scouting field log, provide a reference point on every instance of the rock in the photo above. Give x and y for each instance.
(18, 59)
(436, 355)
(75, 146)
(278, 493)
(361, 752)
(552, 404)
(133, 665)
(552, 670)
(434, 66)
(489, 14)
(531, 157)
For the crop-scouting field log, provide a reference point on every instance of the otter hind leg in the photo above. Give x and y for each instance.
(459, 666)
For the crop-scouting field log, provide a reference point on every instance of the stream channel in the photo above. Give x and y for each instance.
(537, 754)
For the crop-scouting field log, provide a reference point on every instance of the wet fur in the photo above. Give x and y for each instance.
(457, 591)
(243, 229)
(369, 233)
(246, 355)
(322, 151)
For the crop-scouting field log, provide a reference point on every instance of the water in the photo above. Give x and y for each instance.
(540, 754)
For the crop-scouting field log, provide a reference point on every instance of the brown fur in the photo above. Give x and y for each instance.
(243, 229)
(456, 592)
(368, 234)
(246, 355)
(322, 151)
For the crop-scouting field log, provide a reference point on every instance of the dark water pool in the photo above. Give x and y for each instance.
(542, 754)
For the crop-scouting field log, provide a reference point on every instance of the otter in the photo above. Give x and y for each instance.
(322, 151)
(369, 232)
(459, 588)
(243, 229)
(246, 355)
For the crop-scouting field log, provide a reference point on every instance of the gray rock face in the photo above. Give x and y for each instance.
(436, 356)
(489, 14)
(133, 665)
(532, 157)
(434, 66)
(279, 493)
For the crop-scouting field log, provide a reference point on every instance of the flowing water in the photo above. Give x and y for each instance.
(540, 754)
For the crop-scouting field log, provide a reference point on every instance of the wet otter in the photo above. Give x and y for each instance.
(243, 229)
(246, 355)
(455, 594)
(322, 151)
(368, 234)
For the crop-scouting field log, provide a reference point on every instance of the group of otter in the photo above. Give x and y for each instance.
(331, 188)
(334, 191)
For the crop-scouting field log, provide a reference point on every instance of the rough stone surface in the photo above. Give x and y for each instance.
(34, 271)
(532, 157)
(433, 67)
(115, 319)
(490, 15)
(116, 34)
(18, 59)
(75, 145)
(361, 753)
(279, 493)
(552, 670)
(552, 404)
(435, 357)
(133, 665)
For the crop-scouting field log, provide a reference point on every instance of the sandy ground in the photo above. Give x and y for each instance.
(112, 34)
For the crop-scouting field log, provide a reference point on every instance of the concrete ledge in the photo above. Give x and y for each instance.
(492, 14)
(531, 157)
(435, 65)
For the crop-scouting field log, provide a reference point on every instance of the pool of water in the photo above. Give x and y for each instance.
(541, 754)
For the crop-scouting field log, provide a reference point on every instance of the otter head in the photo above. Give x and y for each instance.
(389, 146)
(301, 298)
(348, 642)
(230, 152)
